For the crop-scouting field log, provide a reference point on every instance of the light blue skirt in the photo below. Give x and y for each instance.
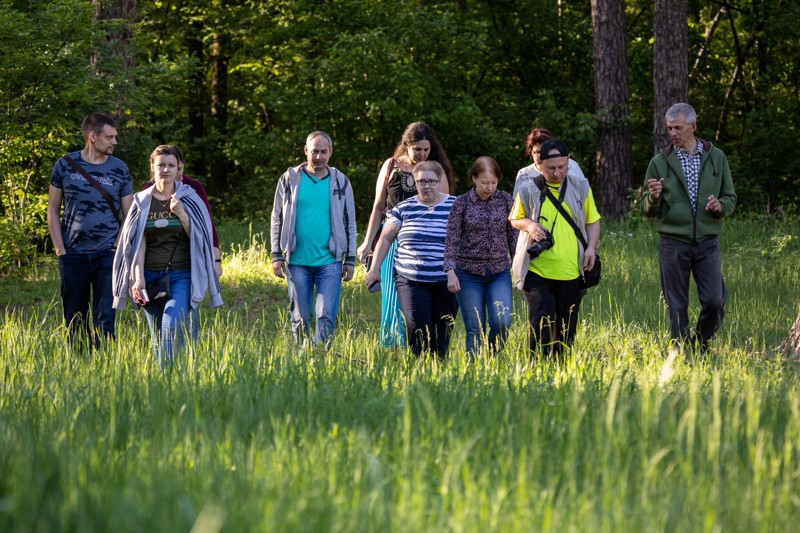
(393, 327)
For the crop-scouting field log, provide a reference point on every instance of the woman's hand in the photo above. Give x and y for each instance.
(217, 262)
(453, 285)
(176, 206)
(373, 276)
(362, 252)
(137, 291)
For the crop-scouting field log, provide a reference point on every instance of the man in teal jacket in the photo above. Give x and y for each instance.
(689, 190)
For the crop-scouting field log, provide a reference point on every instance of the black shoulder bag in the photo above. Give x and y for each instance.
(96, 185)
(160, 289)
(592, 277)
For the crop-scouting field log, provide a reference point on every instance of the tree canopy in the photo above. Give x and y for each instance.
(240, 84)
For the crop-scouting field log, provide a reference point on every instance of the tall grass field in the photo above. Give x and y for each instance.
(246, 433)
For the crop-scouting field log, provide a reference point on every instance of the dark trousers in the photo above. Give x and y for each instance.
(553, 307)
(87, 278)
(430, 311)
(704, 262)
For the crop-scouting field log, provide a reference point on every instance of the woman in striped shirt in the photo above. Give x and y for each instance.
(419, 225)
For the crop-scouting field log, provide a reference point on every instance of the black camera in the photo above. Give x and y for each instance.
(540, 246)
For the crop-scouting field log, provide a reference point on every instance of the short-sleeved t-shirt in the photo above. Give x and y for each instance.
(87, 223)
(312, 227)
(561, 261)
(420, 242)
(165, 239)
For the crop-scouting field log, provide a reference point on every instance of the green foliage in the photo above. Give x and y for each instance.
(239, 85)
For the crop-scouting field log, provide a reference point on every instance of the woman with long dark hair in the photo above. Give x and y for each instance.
(395, 184)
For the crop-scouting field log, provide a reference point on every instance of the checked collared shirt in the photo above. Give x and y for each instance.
(691, 169)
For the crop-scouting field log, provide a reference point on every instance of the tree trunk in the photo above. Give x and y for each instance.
(614, 151)
(791, 344)
(197, 104)
(125, 12)
(670, 62)
(220, 169)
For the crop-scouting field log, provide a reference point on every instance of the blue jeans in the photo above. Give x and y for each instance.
(328, 282)
(492, 291)
(170, 319)
(86, 277)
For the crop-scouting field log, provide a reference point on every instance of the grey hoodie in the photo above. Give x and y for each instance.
(342, 242)
(204, 279)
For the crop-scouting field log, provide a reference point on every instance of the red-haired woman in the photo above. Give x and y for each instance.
(533, 145)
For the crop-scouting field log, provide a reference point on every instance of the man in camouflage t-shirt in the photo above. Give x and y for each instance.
(85, 236)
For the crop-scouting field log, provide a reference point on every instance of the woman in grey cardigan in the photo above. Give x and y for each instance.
(167, 231)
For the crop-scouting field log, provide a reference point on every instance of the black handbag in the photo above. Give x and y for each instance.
(591, 277)
(159, 289)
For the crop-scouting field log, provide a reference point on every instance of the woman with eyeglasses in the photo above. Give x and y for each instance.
(395, 184)
(419, 225)
(533, 145)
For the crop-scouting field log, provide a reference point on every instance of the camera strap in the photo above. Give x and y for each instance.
(564, 213)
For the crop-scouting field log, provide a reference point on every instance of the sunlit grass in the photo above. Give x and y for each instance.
(249, 433)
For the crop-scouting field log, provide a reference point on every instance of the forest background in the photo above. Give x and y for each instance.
(240, 84)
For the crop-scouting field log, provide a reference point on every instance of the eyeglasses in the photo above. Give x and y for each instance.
(427, 183)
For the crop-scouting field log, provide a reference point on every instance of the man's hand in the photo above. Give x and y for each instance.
(713, 205)
(654, 188)
(347, 272)
(279, 268)
(536, 231)
(588, 259)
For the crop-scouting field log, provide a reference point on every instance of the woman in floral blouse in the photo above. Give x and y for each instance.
(477, 256)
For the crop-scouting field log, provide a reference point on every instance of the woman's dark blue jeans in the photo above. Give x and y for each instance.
(477, 294)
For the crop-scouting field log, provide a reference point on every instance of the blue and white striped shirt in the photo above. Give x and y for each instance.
(420, 242)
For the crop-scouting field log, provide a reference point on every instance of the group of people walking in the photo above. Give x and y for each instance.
(429, 253)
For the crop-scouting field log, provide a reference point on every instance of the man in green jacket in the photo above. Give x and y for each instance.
(689, 190)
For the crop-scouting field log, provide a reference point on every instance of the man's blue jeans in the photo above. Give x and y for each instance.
(302, 280)
(492, 291)
(170, 319)
(86, 277)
